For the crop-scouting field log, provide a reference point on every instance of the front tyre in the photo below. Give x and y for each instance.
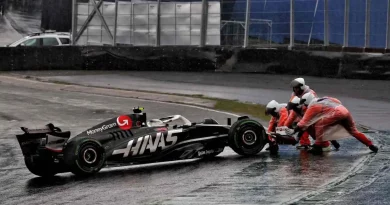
(247, 137)
(84, 157)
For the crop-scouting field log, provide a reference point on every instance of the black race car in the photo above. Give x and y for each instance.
(132, 139)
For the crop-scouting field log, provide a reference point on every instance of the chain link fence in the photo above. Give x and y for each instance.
(269, 23)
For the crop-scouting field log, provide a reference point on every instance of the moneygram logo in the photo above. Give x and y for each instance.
(124, 122)
(101, 129)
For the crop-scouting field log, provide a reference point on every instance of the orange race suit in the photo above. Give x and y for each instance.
(294, 117)
(331, 121)
(277, 121)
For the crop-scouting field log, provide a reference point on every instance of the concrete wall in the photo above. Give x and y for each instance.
(214, 59)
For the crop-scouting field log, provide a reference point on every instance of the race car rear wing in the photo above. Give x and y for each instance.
(47, 129)
(31, 139)
(38, 132)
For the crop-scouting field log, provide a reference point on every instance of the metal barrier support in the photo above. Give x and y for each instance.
(346, 23)
(247, 22)
(115, 23)
(367, 25)
(326, 23)
(74, 22)
(388, 26)
(291, 25)
(203, 28)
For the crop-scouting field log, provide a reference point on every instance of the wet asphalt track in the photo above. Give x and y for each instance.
(368, 100)
(229, 179)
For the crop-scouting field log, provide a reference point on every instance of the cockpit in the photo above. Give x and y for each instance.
(180, 120)
(177, 121)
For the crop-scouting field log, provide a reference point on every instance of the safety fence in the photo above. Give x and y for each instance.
(241, 23)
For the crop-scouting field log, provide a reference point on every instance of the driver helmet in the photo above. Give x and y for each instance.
(307, 98)
(298, 85)
(273, 108)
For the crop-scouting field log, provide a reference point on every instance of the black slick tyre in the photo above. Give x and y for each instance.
(84, 157)
(247, 137)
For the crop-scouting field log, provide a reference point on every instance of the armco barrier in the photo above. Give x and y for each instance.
(220, 59)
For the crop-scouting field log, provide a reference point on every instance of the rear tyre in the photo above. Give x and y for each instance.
(84, 157)
(40, 166)
(247, 137)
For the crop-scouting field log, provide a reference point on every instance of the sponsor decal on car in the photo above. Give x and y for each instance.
(101, 129)
(161, 129)
(200, 153)
(149, 142)
(208, 152)
(124, 122)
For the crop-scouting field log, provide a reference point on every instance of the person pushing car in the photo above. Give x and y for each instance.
(296, 115)
(279, 115)
(299, 89)
(331, 121)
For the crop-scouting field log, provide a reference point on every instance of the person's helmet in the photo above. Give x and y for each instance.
(273, 108)
(294, 103)
(307, 98)
(299, 84)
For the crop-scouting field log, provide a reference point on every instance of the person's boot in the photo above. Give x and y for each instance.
(303, 146)
(335, 144)
(373, 148)
(326, 149)
(316, 150)
(273, 148)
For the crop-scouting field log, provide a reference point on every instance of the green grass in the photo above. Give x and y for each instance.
(235, 106)
(255, 110)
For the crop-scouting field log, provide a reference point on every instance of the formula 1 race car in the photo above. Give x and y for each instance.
(132, 139)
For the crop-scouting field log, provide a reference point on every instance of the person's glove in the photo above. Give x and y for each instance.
(293, 131)
(290, 131)
(297, 129)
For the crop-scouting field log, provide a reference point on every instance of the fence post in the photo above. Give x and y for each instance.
(203, 27)
(388, 26)
(115, 23)
(326, 23)
(367, 26)
(346, 23)
(291, 25)
(74, 21)
(158, 32)
(247, 22)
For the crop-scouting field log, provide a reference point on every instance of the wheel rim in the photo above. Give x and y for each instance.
(249, 137)
(90, 156)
